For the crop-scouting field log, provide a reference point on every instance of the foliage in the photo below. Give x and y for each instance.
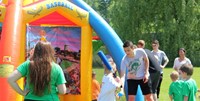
(175, 23)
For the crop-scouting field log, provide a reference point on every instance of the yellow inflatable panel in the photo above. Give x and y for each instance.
(67, 9)
(33, 11)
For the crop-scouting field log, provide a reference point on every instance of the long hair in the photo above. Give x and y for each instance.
(40, 67)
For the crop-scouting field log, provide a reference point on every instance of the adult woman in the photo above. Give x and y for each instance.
(182, 59)
(43, 76)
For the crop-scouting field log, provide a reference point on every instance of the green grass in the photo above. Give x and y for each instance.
(165, 83)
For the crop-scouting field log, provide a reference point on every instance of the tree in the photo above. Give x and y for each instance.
(175, 23)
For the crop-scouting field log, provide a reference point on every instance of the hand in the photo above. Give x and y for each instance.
(175, 68)
(146, 78)
(26, 92)
(117, 79)
(131, 75)
(120, 94)
(162, 67)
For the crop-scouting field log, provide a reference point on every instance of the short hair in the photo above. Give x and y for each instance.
(174, 75)
(183, 49)
(93, 73)
(155, 42)
(187, 68)
(111, 62)
(135, 46)
(128, 44)
(141, 42)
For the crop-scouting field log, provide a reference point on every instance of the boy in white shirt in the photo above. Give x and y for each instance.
(109, 84)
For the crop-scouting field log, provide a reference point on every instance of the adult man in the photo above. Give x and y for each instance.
(162, 60)
(154, 69)
(135, 66)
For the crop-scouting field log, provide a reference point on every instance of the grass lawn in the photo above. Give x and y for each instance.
(165, 83)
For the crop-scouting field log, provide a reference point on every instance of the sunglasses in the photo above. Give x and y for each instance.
(154, 45)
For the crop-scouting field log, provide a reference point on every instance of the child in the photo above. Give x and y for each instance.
(175, 87)
(109, 84)
(95, 87)
(189, 89)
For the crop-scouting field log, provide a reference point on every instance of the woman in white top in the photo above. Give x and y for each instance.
(182, 59)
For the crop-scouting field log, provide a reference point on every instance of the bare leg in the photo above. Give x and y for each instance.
(149, 97)
(155, 97)
(131, 97)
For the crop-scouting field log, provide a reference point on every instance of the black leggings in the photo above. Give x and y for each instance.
(159, 84)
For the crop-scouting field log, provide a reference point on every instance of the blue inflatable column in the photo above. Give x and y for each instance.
(108, 36)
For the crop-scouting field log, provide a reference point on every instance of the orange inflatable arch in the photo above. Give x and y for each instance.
(15, 15)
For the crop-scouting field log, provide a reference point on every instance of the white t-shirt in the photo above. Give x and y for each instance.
(134, 67)
(160, 56)
(109, 85)
(178, 64)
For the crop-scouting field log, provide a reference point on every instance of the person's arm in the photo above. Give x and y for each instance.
(97, 85)
(165, 62)
(174, 66)
(12, 80)
(122, 74)
(61, 81)
(146, 76)
(189, 62)
(171, 98)
(122, 77)
(185, 98)
(122, 71)
(171, 92)
(62, 89)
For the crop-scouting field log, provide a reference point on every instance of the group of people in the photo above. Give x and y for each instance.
(183, 87)
(135, 66)
(138, 66)
(145, 68)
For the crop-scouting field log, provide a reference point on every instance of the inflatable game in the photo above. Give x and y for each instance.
(68, 25)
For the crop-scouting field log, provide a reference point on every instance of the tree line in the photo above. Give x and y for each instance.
(175, 23)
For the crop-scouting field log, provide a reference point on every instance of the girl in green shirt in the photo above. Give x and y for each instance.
(44, 78)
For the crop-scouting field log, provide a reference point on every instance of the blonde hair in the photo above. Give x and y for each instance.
(141, 42)
(111, 62)
(174, 75)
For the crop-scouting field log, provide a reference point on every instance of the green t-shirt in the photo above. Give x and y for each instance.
(57, 78)
(190, 89)
(175, 90)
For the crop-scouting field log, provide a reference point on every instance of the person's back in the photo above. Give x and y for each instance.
(56, 79)
(175, 88)
(44, 78)
(189, 87)
(95, 87)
